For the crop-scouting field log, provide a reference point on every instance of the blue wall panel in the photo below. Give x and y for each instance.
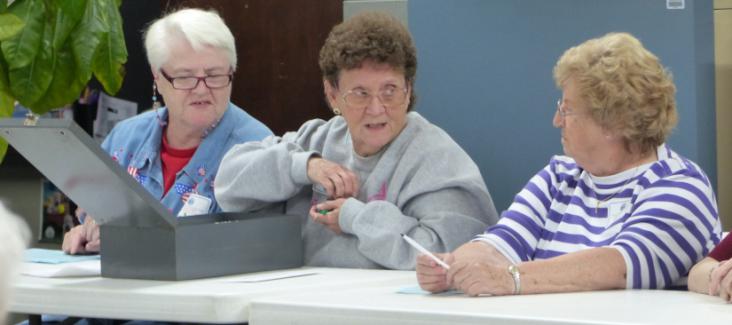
(485, 74)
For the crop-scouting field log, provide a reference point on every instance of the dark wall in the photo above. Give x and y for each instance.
(137, 85)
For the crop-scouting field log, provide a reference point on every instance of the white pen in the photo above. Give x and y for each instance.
(425, 251)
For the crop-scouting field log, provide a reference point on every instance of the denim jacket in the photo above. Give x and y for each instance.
(135, 144)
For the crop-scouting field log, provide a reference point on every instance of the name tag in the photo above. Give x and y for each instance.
(618, 209)
(195, 205)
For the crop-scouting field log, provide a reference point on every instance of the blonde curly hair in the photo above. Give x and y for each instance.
(626, 87)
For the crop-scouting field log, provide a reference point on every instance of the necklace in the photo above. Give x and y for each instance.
(608, 198)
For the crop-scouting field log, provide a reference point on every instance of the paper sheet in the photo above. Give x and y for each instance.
(51, 256)
(269, 276)
(48, 263)
(75, 269)
(416, 290)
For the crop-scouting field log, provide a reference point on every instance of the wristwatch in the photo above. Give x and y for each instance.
(516, 275)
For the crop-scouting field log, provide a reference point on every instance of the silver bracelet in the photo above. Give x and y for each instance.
(516, 275)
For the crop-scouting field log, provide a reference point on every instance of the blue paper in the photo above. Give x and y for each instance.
(52, 256)
(416, 290)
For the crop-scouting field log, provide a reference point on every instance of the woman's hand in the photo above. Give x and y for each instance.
(476, 278)
(720, 280)
(337, 180)
(478, 268)
(430, 275)
(327, 214)
(83, 238)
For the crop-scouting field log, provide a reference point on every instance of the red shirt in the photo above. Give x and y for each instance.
(723, 251)
(173, 161)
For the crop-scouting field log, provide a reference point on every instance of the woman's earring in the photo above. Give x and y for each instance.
(156, 105)
(336, 111)
(155, 102)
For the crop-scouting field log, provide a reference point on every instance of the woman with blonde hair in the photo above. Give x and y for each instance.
(619, 210)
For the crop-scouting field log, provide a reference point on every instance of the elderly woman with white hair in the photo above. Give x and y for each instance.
(174, 151)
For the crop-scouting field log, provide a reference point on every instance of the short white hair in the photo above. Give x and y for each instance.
(198, 27)
(15, 237)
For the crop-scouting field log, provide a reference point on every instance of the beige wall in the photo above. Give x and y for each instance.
(722, 4)
(723, 72)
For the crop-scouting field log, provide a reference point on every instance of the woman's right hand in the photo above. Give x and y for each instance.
(430, 275)
(83, 238)
(338, 181)
(720, 280)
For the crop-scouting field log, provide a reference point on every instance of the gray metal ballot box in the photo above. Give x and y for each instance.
(140, 238)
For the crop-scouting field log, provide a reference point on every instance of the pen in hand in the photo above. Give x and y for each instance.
(425, 251)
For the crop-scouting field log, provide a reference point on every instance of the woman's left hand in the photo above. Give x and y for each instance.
(478, 277)
(720, 282)
(327, 214)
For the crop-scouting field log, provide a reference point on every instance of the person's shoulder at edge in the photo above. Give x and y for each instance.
(427, 136)
(427, 145)
(426, 139)
(670, 162)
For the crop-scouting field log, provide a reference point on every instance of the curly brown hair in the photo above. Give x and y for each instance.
(626, 87)
(369, 36)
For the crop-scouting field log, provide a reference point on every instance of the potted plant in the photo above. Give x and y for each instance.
(49, 50)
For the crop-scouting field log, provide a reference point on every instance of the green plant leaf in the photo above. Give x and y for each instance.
(108, 62)
(86, 38)
(68, 14)
(4, 83)
(6, 109)
(3, 5)
(65, 86)
(50, 59)
(3, 149)
(6, 104)
(29, 83)
(21, 49)
(10, 25)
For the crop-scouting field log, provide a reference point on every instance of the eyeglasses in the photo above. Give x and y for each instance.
(562, 112)
(390, 96)
(188, 83)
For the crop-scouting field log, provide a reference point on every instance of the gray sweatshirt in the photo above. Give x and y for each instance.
(423, 185)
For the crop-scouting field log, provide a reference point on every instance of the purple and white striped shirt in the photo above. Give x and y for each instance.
(662, 217)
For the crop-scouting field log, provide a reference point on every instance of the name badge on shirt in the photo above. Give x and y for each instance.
(617, 209)
(195, 205)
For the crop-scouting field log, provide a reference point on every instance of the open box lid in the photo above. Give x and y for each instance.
(78, 166)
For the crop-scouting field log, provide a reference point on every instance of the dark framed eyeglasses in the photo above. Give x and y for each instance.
(390, 96)
(190, 82)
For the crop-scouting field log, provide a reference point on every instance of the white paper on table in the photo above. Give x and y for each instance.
(75, 269)
(269, 276)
